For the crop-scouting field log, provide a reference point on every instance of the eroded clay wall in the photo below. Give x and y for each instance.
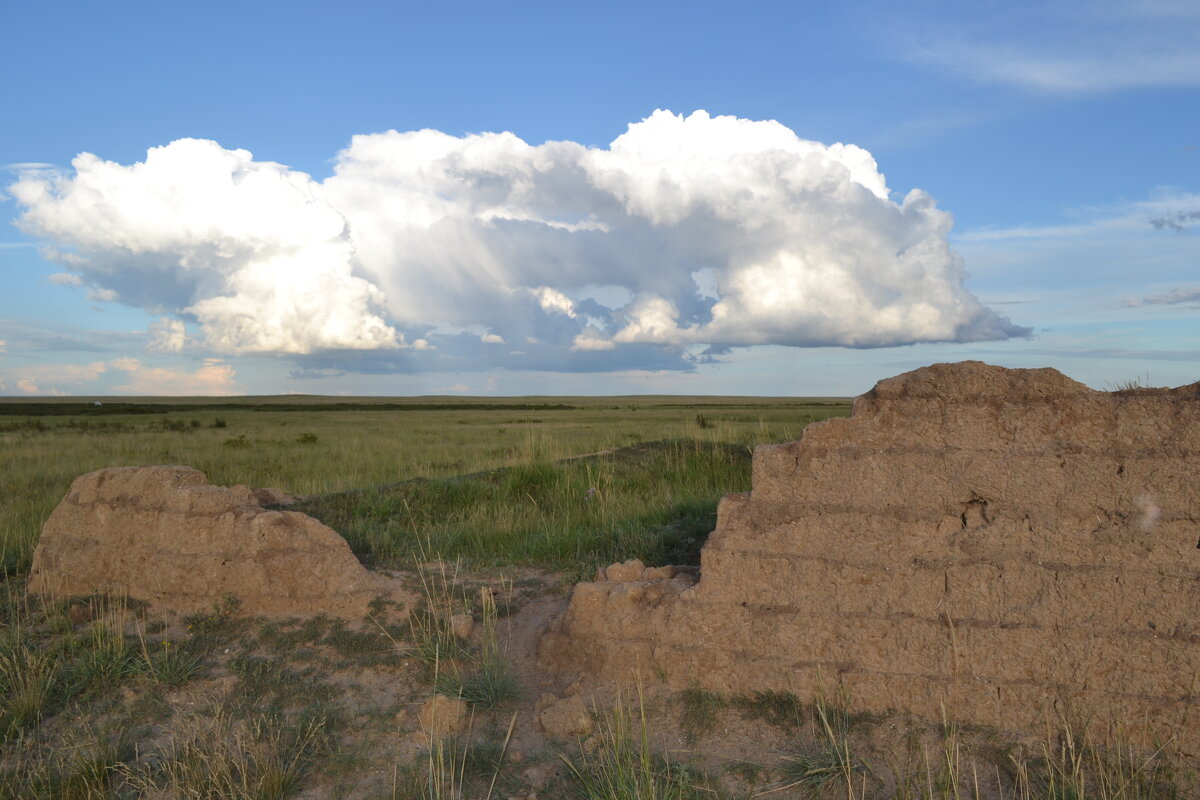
(165, 536)
(1008, 545)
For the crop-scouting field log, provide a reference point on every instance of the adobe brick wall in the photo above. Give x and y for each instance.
(1008, 545)
(165, 536)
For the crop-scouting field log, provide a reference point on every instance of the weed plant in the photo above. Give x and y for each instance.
(169, 663)
(430, 625)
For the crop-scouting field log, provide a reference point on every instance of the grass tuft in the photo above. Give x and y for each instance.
(212, 756)
(701, 710)
(490, 682)
(83, 768)
(623, 765)
(169, 663)
(27, 682)
(831, 762)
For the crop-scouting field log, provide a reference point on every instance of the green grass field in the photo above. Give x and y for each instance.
(323, 446)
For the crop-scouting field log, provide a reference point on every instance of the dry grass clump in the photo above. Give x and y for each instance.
(85, 767)
(211, 755)
(27, 682)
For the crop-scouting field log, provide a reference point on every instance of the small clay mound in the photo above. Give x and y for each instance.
(1006, 547)
(163, 535)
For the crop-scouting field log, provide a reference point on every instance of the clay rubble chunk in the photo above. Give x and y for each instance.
(164, 536)
(564, 718)
(441, 716)
(624, 571)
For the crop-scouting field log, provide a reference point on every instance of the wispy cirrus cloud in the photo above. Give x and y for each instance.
(1167, 209)
(1179, 296)
(1063, 47)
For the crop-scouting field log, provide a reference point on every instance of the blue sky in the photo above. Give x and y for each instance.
(729, 252)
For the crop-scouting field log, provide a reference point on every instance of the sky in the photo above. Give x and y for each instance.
(532, 198)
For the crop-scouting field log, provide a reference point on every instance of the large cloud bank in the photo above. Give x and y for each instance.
(684, 233)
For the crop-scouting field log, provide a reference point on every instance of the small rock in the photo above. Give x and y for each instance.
(564, 718)
(441, 716)
(461, 625)
(630, 570)
(658, 573)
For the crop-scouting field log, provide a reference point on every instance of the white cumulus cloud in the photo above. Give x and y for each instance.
(212, 378)
(167, 336)
(30, 386)
(248, 247)
(685, 230)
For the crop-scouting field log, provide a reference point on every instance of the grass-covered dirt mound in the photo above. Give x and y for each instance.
(655, 501)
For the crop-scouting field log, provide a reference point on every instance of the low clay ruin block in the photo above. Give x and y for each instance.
(163, 535)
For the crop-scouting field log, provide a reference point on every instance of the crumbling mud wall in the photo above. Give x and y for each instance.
(165, 536)
(1006, 547)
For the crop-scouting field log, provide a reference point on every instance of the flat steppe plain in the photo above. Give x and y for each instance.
(486, 507)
